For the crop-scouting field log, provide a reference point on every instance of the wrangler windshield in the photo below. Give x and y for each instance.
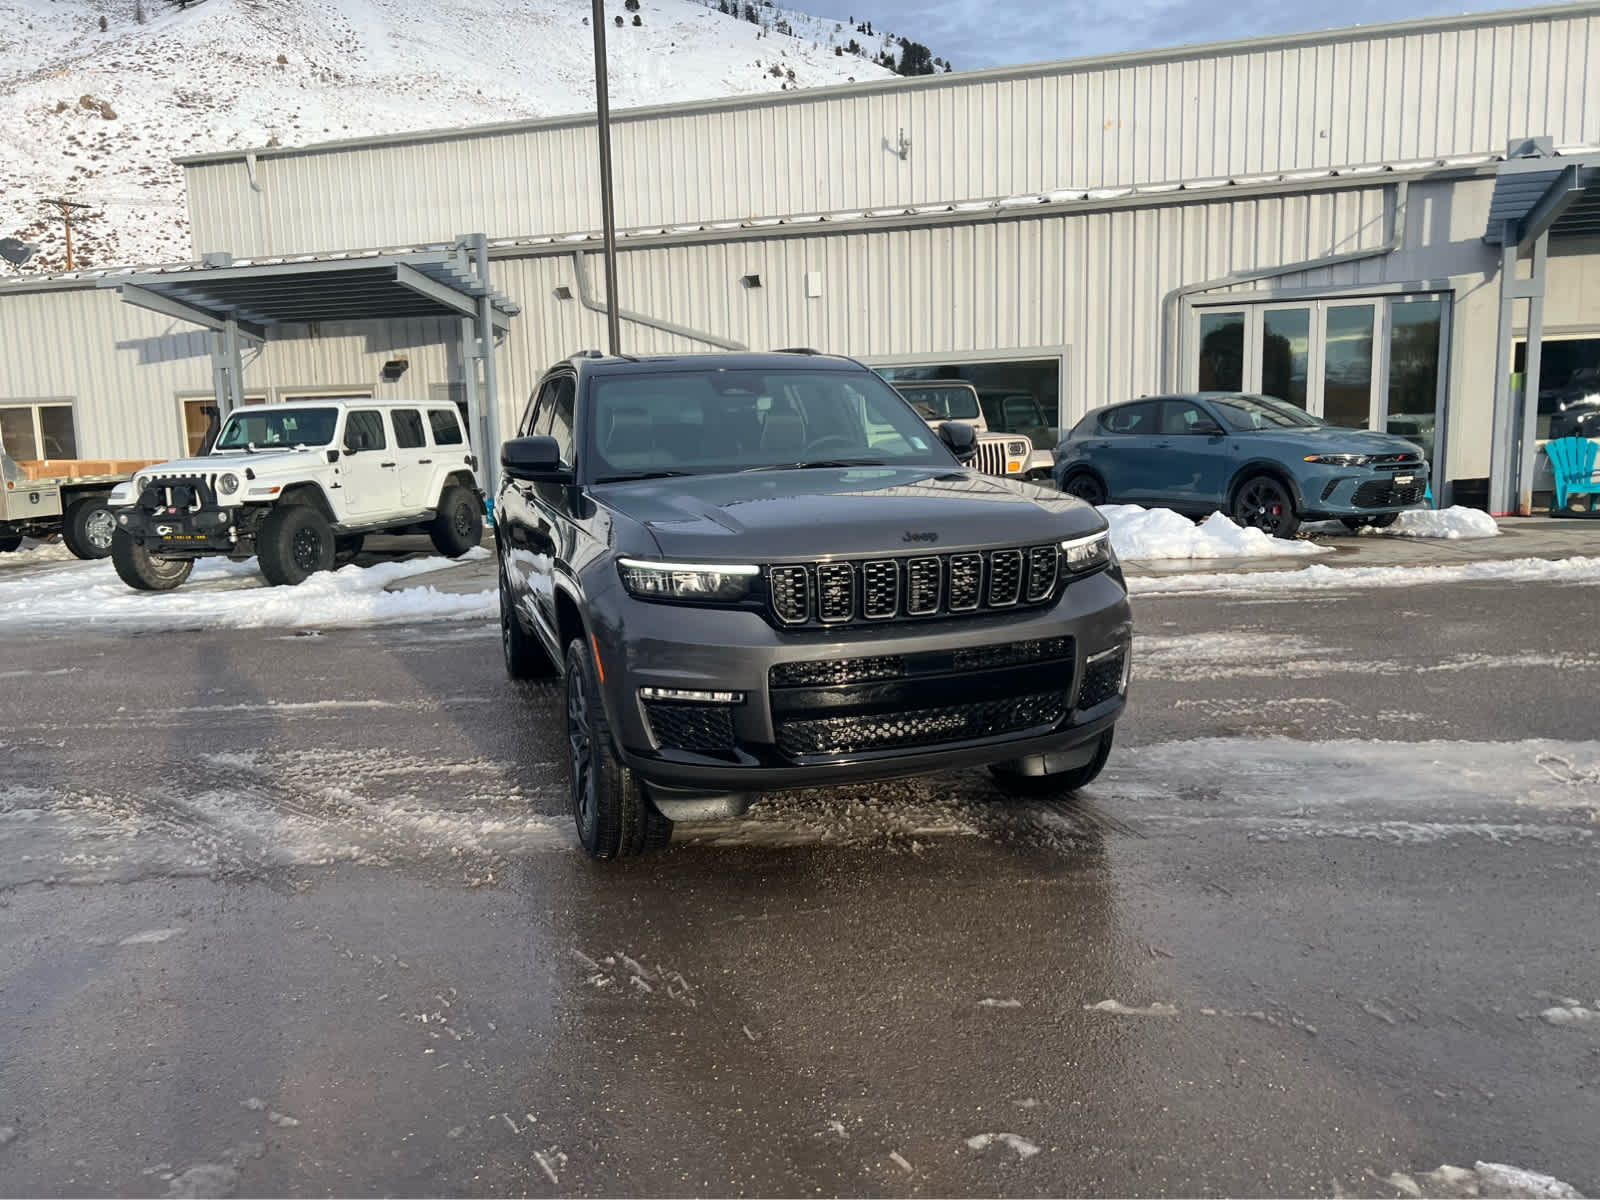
(933, 403)
(713, 421)
(285, 427)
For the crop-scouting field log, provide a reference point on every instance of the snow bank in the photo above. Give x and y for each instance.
(1141, 533)
(1319, 577)
(227, 595)
(1452, 522)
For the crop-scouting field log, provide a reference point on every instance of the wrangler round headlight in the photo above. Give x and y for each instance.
(228, 483)
(140, 482)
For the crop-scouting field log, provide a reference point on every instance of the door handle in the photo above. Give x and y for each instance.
(386, 464)
(424, 462)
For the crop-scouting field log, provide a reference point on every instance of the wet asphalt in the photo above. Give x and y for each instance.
(302, 915)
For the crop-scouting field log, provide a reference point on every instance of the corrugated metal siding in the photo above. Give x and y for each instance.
(122, 366)
(1365, 99)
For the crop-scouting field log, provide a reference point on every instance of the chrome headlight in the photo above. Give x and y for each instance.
(1339, 460)
(227, 483)
(1083, 554)
(140, 482)
(711, 584)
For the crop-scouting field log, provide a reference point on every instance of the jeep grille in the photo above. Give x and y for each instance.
(883, 589)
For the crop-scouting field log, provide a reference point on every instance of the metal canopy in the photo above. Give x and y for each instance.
(260, 295)
(1544, 192)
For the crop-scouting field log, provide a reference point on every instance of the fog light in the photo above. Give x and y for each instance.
(122, 518)
(690, 695)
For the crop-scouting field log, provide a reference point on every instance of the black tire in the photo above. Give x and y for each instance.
(615, 818)
(524, 654)
(143, 571)
(88, 528)
(10, 542)
(1264, 502)
(294, 543)
(346, 548)
(1086, 486)
(459, 525)
(1060, 782)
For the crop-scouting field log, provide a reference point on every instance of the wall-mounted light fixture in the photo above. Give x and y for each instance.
(563, 293)
(750, 281)
(393, 369)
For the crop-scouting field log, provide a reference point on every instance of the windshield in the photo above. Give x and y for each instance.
(277, 427)
(1245, 413)
(940, 403)
(706, 421)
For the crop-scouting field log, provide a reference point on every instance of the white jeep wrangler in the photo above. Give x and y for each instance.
(299, 486)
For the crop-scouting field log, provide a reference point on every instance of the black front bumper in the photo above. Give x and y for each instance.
(197, 526)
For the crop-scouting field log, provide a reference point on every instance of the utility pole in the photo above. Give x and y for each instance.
(66, 207)
(607, 216)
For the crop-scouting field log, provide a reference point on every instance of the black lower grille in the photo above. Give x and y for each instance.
(908, 728)
(690, 726)
(837, 672)
(1381, 493)
(1102, 678)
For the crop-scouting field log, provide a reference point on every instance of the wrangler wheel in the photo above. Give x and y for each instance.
(143, 571)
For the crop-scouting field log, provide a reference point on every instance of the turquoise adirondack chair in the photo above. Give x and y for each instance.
(1573, 463)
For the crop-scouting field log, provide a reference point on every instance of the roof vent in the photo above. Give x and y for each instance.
(217, 258)
(1534, 147)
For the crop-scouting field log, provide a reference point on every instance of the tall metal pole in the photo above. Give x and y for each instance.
(607, 215)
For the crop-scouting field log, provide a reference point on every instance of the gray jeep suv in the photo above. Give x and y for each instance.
(764, 571)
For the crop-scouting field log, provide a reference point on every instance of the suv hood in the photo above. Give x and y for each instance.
(769, 515)
(260, 462)
(1331, 439)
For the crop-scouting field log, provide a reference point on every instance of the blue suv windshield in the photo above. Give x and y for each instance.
(701, 421)
(1245, 413)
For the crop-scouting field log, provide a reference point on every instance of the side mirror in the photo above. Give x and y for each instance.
(962, 440)
(351, 443)
(534, 459)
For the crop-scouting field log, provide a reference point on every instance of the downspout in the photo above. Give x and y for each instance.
(1176, 300)
(586, 298)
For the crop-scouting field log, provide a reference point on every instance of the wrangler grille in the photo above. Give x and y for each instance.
(806, 737)
(882, 589)
(991, 456)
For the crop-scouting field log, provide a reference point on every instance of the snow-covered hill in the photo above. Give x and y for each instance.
(97, 116)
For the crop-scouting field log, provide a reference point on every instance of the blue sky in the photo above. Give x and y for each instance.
(987, 33)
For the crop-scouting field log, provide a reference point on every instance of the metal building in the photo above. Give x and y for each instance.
(1335, 218)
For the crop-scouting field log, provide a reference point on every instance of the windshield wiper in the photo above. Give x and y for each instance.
(641, 475)
(817, 463)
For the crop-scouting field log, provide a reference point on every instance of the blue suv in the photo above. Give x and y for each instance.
(1264, 462)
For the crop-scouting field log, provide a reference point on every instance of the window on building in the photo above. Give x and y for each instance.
(33, 431)
(1347, 365)
(1022, 396)
(408, 433)
(197, 419)
(1569, 386)
(1221, 352)
(1286, 354)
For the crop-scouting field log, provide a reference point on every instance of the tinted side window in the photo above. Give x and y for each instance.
(446, 429)
(525, 426)
(1131, 419)
(408, 428)
(559, 423)
(363, 430)
(1181, 417)
(544, 406)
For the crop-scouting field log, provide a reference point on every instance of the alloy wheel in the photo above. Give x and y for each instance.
(1262, 505)
(307, 549)
(580, 749)
(100, 528)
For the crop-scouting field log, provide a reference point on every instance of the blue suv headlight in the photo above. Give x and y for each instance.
(1339, 460)
(694, 582)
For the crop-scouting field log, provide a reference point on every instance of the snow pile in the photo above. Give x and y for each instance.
(228, 595)
(98, 117)
(1141, 533)
(1452, 522)
(1319, 577)
(1485, 1179)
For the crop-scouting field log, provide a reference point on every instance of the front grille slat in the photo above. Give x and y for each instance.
(966, 581)
(1005, 578)
(836, 592)
(991, 457)
(923, 592)
(791, 594)
(880, 589)
(1043, 562)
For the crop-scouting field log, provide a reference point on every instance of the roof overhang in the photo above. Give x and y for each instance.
(260, 296)
(1545, 193)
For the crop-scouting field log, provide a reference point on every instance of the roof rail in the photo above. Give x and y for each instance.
(797, 350)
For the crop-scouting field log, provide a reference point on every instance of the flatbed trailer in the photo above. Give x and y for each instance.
(61, 496)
